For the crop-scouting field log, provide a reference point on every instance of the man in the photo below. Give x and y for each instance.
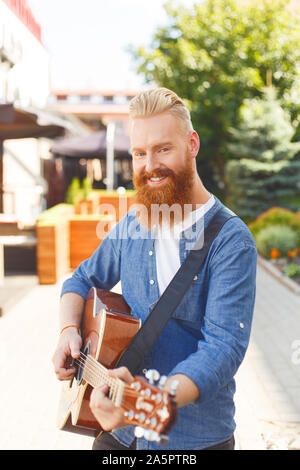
(204, 342)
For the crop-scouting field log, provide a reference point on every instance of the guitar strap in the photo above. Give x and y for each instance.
(144, 340)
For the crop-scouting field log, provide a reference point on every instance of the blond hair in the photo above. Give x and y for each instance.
(158, 100)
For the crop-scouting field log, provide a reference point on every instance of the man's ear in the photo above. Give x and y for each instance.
(194, 143)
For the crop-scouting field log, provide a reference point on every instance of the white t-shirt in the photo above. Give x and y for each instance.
(167, 245)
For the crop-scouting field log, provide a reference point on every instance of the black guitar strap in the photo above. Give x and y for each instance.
(144, 340)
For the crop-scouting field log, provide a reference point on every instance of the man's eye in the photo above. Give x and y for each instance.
(139, 154)
(164, 149)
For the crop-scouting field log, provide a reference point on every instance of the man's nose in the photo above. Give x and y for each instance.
(151, 163)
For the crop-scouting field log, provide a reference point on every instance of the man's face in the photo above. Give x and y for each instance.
(163, 164)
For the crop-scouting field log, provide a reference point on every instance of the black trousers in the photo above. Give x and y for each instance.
(107, 442)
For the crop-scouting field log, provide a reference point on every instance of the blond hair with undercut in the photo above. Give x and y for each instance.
(160, 100)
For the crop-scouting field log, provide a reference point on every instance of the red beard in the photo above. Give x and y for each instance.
(176, 190)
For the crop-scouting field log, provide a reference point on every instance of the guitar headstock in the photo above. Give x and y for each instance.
(152, 409)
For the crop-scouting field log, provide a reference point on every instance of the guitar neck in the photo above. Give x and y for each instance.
(95, 374)
(143, 404)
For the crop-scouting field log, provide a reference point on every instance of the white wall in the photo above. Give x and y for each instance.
(29, 78)
(24, 186)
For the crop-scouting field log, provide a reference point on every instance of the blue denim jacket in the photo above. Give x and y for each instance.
(208, 335)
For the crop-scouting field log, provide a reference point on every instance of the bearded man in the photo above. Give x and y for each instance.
(204, 342)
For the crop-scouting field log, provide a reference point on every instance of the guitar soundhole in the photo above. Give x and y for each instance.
(79, 374)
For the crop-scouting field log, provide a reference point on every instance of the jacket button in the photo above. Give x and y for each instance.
(150, 253)
(195, 278)
(151, 282)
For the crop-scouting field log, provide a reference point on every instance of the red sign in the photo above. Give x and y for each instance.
(23, 12)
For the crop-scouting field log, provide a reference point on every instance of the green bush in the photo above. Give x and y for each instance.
(74, 192)
(273, 216)
(77, 191)
(87, 187)
(292, 270)
(295, 225)
(276, 236)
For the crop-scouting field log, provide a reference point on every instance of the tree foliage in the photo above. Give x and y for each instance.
(262, 170)
(217, 54)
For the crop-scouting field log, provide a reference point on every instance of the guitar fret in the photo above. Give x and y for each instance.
(95, 374)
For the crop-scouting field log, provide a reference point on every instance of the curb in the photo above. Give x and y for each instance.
(287, 282)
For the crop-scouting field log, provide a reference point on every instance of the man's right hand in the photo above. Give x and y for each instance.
(69, 345)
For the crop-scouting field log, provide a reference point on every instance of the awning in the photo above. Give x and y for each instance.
(17, 123)
(91, 146)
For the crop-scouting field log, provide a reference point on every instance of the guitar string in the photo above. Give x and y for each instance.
(112, 381)
(90, 364)
(96, 370)
(92, 376)
(98, 373)
(130, 393)
(89, 360)
(95, 366)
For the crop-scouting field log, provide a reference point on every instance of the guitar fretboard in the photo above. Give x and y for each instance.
(95, 374)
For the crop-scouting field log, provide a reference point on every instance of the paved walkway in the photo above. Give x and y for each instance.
(268, 382)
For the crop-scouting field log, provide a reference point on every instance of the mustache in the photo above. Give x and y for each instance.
(155, 174)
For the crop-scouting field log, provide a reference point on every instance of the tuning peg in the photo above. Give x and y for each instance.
(139, 432)
(174, 386)
(152, 375)
(151, 435)
(162, 382)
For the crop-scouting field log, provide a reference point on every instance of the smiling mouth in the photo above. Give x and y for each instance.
(157, 180)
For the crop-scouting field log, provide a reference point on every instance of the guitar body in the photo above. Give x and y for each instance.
(108, 328)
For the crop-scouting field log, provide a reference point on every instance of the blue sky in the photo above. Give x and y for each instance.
(87, 39)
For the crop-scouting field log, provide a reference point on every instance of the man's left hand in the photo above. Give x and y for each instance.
(107, 414)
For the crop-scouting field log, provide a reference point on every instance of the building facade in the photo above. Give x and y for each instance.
(25, 82)
(24, 61)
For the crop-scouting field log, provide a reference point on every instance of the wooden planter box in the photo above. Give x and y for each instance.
(88, 206)
(53, 259)
(84, 236)
(120, 203)
(67, 234)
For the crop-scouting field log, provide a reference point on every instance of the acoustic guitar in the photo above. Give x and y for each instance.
(107, 330)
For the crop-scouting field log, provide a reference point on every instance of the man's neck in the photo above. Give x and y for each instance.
(200, 195)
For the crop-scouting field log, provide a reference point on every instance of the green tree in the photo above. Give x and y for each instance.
(263, 169)
(217, 54)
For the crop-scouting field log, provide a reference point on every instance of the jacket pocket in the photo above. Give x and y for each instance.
(190, 308)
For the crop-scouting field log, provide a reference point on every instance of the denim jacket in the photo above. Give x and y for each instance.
(208, 334)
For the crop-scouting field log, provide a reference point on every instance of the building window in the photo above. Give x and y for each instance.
(61, 97)
(84, 98)
(108, 99)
